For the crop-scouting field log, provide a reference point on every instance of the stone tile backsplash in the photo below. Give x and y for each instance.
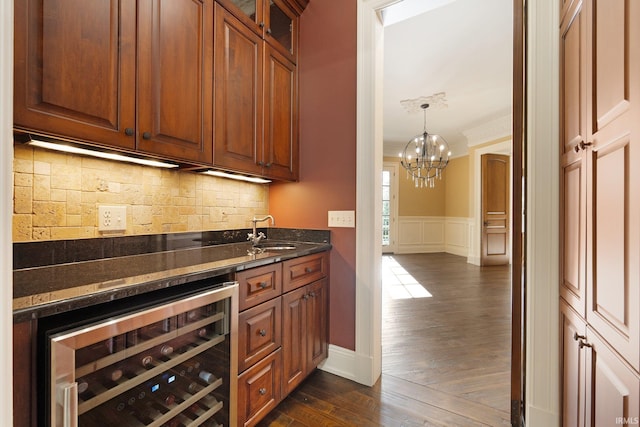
(56, 197)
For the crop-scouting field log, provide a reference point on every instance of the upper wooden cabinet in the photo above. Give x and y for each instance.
(75, 69)
(175, 87)
(256, 102)
(125, 74)
(276, 21)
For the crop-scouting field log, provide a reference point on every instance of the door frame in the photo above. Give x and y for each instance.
(537, 175)
(393, 209)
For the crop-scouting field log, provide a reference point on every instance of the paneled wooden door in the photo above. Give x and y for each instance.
(495, 209)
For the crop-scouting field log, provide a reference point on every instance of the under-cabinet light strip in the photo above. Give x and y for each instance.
(109, 156)
(237, 177)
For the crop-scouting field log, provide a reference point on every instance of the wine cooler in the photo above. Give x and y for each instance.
(169, 364)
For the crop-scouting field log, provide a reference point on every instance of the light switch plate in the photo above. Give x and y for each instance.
(342, 219)
(112, 218)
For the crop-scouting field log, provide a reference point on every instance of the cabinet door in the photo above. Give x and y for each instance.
(238, 95)
(613, 389)
(294, 335)
(75, 69)
(175, 65)
(317, 318)
(573, 367)
(573, 171)
(613, 202)
(282, 28)
(280, 151)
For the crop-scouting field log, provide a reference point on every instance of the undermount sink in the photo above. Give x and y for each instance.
(274, 246)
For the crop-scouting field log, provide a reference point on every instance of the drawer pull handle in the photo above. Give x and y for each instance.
(263, 285)
(308, 270)
(262, 391)
(578, 337)
(263, 333)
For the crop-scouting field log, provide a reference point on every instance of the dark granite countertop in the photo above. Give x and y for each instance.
(55, 288)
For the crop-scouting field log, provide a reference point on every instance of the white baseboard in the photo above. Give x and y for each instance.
(348, 364)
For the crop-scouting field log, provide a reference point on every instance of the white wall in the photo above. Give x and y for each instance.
(6, 201)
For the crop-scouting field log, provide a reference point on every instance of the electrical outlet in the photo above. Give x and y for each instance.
(112, 218)
(342, 219)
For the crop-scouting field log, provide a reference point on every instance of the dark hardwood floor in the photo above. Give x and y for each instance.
(446, 353)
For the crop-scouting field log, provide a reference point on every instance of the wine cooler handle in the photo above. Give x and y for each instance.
(69, 405)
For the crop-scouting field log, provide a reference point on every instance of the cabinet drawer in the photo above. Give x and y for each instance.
(258, 285)
(259, 332)
(259, 390)
(304, 270)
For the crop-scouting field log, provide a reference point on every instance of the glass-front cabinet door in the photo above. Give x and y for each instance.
(282, 28)
(273, 20)
(250, 12)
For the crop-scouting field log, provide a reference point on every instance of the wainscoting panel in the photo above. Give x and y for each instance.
(423, 234)
(456, 233)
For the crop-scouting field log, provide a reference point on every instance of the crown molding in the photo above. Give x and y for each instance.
(489, 131)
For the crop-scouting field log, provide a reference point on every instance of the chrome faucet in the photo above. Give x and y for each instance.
(257, 237)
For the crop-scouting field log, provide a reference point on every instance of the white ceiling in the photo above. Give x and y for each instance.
(462, 48)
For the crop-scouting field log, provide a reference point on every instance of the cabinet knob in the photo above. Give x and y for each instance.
(305, 296)
(263, 285)
(128, 131)
(261, 25)
(308, 270)
(260, 163)
(262, 391)
(268, 30)
(583, 344)
(582, 146)
(312, 294)
(268, 165)
(263, 333)
(146, 135)
(578, 337)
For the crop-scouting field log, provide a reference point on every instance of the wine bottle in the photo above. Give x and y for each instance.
(207, 377)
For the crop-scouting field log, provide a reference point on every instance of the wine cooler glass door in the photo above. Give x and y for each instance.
(170, 365)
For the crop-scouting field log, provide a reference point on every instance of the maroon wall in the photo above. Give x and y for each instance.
(327, 73)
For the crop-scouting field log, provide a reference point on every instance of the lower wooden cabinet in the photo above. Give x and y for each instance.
(24, 375)
(284, 337)
(304, 342)
(259, 389)
(599, 387)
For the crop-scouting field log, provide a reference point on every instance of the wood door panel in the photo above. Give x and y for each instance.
(495, 209)
(75, 69)
(573, 367)
(238, 94)
(610, 61)
(317, 319)
(573, 244)
(175, 63)
(281, 117)
(614, 299)
(294, 351)
(573, 80)
(614, 389)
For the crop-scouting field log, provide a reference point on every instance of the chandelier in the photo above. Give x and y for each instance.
(425, 156)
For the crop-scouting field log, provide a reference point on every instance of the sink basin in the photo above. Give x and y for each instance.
(275, 246)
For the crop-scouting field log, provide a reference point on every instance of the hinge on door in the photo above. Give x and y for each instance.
(517, 418)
